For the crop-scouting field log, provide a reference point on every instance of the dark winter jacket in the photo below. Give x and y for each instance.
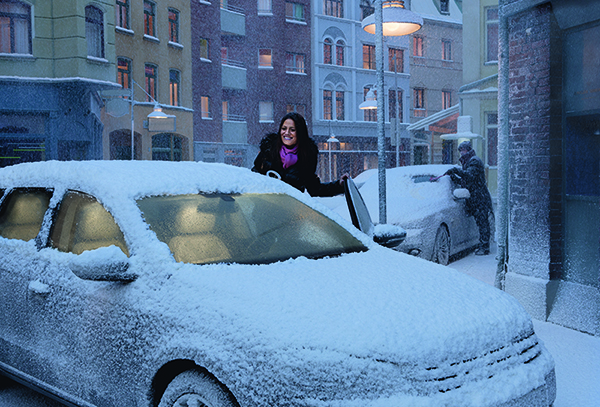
(300, 175)
(472, 177)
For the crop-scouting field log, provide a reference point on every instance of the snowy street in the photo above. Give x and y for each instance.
(577, 355)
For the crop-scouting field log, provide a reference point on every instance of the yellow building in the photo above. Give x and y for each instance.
(478, 97)
(153, 59)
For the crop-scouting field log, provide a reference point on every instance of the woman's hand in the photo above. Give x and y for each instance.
(343, 178)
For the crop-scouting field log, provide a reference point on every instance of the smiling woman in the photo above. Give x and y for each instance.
(293, 156)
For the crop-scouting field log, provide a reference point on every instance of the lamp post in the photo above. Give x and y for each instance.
(330, 142)
(395, 21)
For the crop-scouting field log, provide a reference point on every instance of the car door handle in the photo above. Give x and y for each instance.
(37, 287)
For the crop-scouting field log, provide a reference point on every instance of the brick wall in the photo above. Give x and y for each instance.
(535, 239)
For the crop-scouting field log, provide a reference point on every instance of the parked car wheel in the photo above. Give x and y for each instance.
(441, 249)
(194, 388)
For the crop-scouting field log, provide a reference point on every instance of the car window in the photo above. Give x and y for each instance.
(82, 223)
(244, 228)
(22, 213)
(422, 178)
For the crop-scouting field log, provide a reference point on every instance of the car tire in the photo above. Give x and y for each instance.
(194, 388)
(441, 247)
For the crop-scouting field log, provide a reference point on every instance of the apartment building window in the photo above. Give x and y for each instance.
(368, 56)
(15, 28)
(265, 59)
(395, 103)
(265, 7)
(167, 147)
(491, 35)
(173, 25)
(224, 55)
(151, 82)
(94, 31)
(124, 72)
(417, 46)
(225, 110)
(339, 105)
(174, 84)
(333, 8)
(327, 105)
(296, 107)
(447, 50)
(294, 11)
(295, 63)
(396, 60)
(122, 13)
(366, 9)
(492, 138)
(327, 49)
(339, 52)
(203, 48)
(445, 6)
(205, 107)
(149, 18)
(446, 99)
(419, 102)
(369, 115)
(265, 111)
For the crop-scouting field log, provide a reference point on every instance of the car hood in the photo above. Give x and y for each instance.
(380, 305)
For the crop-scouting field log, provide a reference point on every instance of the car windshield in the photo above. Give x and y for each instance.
(243, 228)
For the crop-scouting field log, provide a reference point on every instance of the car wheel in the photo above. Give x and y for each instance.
(195, 389)
(441, 248)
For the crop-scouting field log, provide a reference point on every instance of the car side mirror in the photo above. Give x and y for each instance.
(461, 193)
(102, 264)
(385, 235)
(389, 235)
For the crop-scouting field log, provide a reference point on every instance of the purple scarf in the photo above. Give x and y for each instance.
(289, 156)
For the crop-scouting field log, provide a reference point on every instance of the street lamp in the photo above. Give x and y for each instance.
(396, 21)
(157, 120)
(330, 142)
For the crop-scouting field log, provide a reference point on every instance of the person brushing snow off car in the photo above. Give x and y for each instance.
(472, 177)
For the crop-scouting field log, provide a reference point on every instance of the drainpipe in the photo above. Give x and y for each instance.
(502, 215)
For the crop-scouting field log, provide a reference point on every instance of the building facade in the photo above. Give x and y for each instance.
(436, 74)
(55, 56)
(479, 93)
(343, 73)
(153, 55)
(251, 65)
(549, 142)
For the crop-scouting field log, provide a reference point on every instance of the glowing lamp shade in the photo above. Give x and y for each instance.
(396, 20)
(370, 101)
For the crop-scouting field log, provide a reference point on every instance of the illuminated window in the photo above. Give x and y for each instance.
(417, 46)
(368, 56)
(151, 79)
(124, 72)
(149, 18)
(15, 27)
(173, 25)
(265, 58)
(205, 107)
(327, 47)
(396, 60)
(174, 83)
(334, 8)
(122, 13)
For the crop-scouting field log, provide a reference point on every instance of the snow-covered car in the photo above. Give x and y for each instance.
(192, 284)
(433, 213)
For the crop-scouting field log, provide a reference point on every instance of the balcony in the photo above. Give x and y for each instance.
(235, 129)
(233, 74)
(233, 21)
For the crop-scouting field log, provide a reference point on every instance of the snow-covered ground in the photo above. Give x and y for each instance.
(576, 354)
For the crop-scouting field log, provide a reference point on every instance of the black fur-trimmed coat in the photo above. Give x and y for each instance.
(301, 175)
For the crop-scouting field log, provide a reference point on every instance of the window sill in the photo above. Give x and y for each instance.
(265, 14)
(175, 45)
(208, 3)
(97, 60)
(151, 38)
(206, 118)
(266, 121)
(25, 57)
(296, 73)
(287, 20)
(266, 68)
(491, 63)
(205, 60)
(123, 30)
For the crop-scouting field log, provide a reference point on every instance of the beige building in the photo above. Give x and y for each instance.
(479, 94)
(153, 59)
